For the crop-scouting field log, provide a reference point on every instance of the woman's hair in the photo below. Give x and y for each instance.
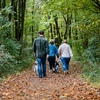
(65, 40)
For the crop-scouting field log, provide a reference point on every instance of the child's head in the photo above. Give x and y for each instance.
(52, 41)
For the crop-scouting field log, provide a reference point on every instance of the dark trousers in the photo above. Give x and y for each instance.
(51, 60)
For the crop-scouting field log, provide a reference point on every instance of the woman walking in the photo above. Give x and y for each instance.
(66, 53)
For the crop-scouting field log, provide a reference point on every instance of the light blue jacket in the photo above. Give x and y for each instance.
(53, 51)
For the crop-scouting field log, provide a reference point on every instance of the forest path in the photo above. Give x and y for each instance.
(27, 86)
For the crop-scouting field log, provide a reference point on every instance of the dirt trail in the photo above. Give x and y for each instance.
(27, 86)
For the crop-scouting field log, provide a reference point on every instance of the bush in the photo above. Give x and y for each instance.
(92, 54)
(6, 62)
(91, 69)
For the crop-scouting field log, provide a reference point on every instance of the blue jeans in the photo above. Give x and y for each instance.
(65, 63)
(41, 67)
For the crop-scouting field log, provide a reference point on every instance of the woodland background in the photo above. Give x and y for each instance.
(77, 21)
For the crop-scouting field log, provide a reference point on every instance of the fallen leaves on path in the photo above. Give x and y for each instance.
(27, 86)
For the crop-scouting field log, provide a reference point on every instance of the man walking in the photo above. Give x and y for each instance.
(41, 49)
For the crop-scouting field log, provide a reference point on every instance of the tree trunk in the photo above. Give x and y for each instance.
(32, 28)
(4, 3)
(58, 39)
(67, 20)
(19, 18)
(22, 17)
(32, 34)
(97, 5)
(0, 4)
(66, 28)
(51, 31)
(85, 41)
(70, 37)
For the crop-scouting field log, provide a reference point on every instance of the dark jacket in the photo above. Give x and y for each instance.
(41, 47)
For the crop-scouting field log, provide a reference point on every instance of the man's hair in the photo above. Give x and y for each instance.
(41, 32)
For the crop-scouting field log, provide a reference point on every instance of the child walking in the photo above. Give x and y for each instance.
(53, 52)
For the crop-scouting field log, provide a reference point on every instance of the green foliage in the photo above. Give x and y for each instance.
(5, 27)
(5, 24)
(91, 74)
(91, 59)
(26, 57)
(6, 61)
(13, 47)
(77, 49)
(10, 63)
(12, 60)
(92, 53)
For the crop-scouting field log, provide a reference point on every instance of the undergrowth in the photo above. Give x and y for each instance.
(91, 75)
